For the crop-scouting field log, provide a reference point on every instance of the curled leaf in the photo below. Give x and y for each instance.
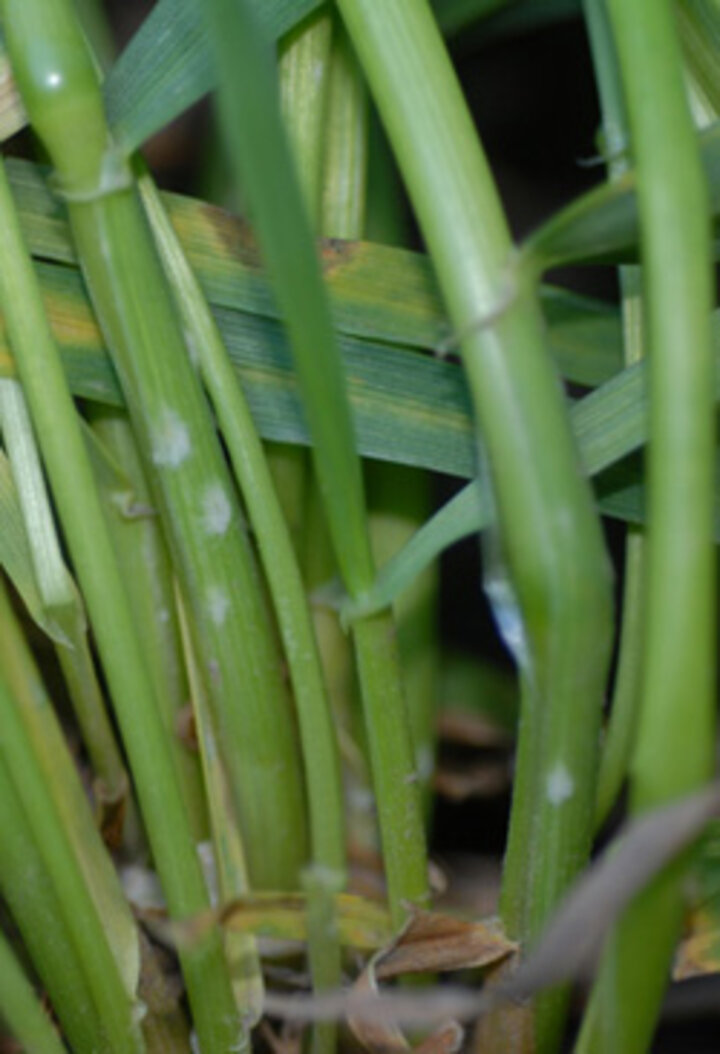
(429, 943)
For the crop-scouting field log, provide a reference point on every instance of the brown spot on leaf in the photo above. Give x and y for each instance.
(111, 807)
(334, 253)
(186, 729)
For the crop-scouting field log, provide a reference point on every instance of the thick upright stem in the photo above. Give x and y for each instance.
(675, 735)
(558, 615)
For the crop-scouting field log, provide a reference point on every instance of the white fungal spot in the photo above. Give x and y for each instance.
(139, 1011)
(191, 346)
(170, 439)
(425, 762)
(163, 616)
(216, 509)
(206, 855)
(560, 785)
(142, 887)
(361, 799)
(218, 605)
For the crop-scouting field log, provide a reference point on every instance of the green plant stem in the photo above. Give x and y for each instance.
(172, 421)
(211, 549)
(59, 594)
(674, 746)
(550, 533)
(261, 155)
(71, 480)
(146, 567)
(344, 190)
(138, 537)
(392, 758)
(274, 543)
(276, 552)
(37, 912)
(399, 497)
(400, 502)
(304, 80)
(619, 737)
(303, 71)
(21, 1009)
(84, 924)
(228, 853)
(58, 772)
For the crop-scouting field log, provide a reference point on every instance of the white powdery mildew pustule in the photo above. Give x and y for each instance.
(216, 509)
(170, 439)
(425, 762)
(193, 354)
(560, 786)
(218, 605)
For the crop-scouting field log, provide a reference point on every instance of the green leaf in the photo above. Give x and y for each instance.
(610, 424)
(699, 28)
(42, 768)
(16, 557)
(21, 1008)
(602, 225)
(502, 17)
(381, 293)
(249, 109)
(57, 589)
(167, 66)
(409, 408)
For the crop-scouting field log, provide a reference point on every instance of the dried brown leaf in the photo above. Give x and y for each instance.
(447, 1040)
(429, 943)
(566, 951)
(472, 730)
(483, 780)
(435, 943)
(111, 808)
(699, 952)
(375, 1035)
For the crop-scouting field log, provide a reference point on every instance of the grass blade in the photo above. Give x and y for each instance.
(63, 607)
(603, 225)
(16, 557)
(250, 112)
(377, 292)
(21, 1008)
(168, 65)
(41, 810)
(43, 738)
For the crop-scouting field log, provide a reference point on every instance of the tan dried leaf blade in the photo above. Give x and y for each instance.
(430, 943)
(699, 952)
(435, 943)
